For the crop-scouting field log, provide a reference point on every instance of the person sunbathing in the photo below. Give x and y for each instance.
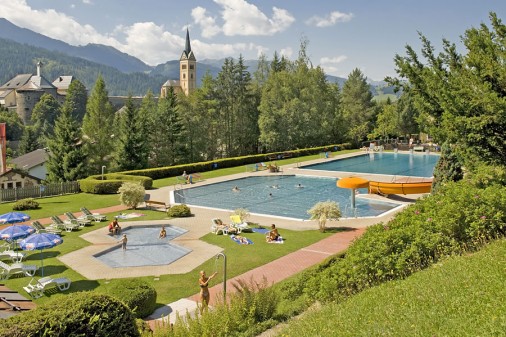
(242, 239)
(273, 234)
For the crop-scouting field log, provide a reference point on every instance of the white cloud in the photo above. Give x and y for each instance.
(329, 20)
(286, 52)
(333, 60)
(87, 2)
(242, 18)
(145, 40)
(207, 23)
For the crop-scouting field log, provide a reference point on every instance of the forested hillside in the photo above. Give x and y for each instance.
(18, 58)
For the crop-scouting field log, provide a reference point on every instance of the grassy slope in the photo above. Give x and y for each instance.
(169, 287)
(463, 296)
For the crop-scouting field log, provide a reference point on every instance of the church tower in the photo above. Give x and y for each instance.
(187, 68)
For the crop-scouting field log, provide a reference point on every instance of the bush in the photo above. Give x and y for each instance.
(24, 204)
(138, 295)
(179, 211)
(111, 183)
(76, 314)
(131, 194)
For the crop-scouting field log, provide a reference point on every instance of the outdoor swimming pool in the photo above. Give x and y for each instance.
(144, 248)
(413, 165)
(279, 196)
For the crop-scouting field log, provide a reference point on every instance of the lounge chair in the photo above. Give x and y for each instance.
(41, 229)
(218, 227)
(13, 255)
(16, 268)
(36, 289)
(241, 226)
(81, 222)
(93, 216)
(63, 225)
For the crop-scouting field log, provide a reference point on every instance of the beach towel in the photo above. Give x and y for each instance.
(238, 240)
(129, 215)
(278, 240)
(260, 230)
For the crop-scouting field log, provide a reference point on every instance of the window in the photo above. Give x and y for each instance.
(183, 66)
(184, 76)
(19, 184)
(191, 76)
(10, 185)
(191, 66)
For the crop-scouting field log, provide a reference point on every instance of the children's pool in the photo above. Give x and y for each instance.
(144, 248)
(280, 195)
(413, 165)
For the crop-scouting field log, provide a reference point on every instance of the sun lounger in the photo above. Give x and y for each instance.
(63, 225)
(16, 268)
(36, 289)
(237, 222)
(93, 216)
(13, 255)
(81, 222)
(41, 229)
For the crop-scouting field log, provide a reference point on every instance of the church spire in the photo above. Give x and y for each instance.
(187, 47)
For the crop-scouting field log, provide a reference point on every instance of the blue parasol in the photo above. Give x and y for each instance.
(13, 217)
(16, 232)
(40, 241)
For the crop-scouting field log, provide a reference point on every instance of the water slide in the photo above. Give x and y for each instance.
(399, 187)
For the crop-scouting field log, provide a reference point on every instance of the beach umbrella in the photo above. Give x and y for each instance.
(14, 217)
(40, 241)
(16, 232)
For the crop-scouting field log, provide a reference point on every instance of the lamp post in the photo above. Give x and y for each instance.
(103, 168)
(224, 274)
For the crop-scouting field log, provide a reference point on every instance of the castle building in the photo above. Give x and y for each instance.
(21, 93)
(187, 72)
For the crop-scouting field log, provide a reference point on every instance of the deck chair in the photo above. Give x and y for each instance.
(241, 226)
(218, 227)
(63, 225)
(41, 229)
(12, 255)
(16, 268)
(36, 289)
(81, 222)
(93, 216)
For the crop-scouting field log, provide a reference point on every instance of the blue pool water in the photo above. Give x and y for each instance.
(287, 200)
(144, 248)
(413, 165)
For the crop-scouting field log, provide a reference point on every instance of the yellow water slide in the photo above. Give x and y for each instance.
(400, 187)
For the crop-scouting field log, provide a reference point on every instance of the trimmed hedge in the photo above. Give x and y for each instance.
(179, 211)
(177, 170)
(24, 204)
(138, 295)
(76, 314)
(111, 183)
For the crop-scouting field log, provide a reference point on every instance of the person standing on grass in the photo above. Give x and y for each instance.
(204, 290)
(124, 241)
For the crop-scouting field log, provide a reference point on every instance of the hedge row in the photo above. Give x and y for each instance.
(172, 171)
(111, 183)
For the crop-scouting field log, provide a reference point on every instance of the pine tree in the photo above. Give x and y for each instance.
(97, 127)
(66, 160)
(29, 141)
(76, 99)
(43, 118)
(131, 153)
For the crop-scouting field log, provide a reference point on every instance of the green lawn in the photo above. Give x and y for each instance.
(462, 296)
(169, 287)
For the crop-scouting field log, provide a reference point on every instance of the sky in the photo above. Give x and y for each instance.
(341, 35)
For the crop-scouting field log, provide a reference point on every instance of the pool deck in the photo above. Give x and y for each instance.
(199, 224)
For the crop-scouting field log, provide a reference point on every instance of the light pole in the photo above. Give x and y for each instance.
(224, 274)
(103, 168)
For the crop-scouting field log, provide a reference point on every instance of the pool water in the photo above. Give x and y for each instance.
(279, 196)
(413, 165)
(144, 248)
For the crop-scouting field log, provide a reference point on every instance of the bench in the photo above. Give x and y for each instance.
(192, 177)
(287, 155)
(156, 204)
(419, 148)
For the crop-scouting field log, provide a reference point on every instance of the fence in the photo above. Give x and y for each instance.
(39, 191)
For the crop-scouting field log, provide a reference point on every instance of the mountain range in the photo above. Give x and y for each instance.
(123, 73)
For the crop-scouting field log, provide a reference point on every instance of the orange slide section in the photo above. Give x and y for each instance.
(399, 188)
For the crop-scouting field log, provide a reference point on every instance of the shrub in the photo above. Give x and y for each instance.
(131, 194)
(179, 211)
(24, 204)
(111, 183)
(138, 295)
(76, 314)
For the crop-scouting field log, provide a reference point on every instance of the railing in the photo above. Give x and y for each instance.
(39, 191)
